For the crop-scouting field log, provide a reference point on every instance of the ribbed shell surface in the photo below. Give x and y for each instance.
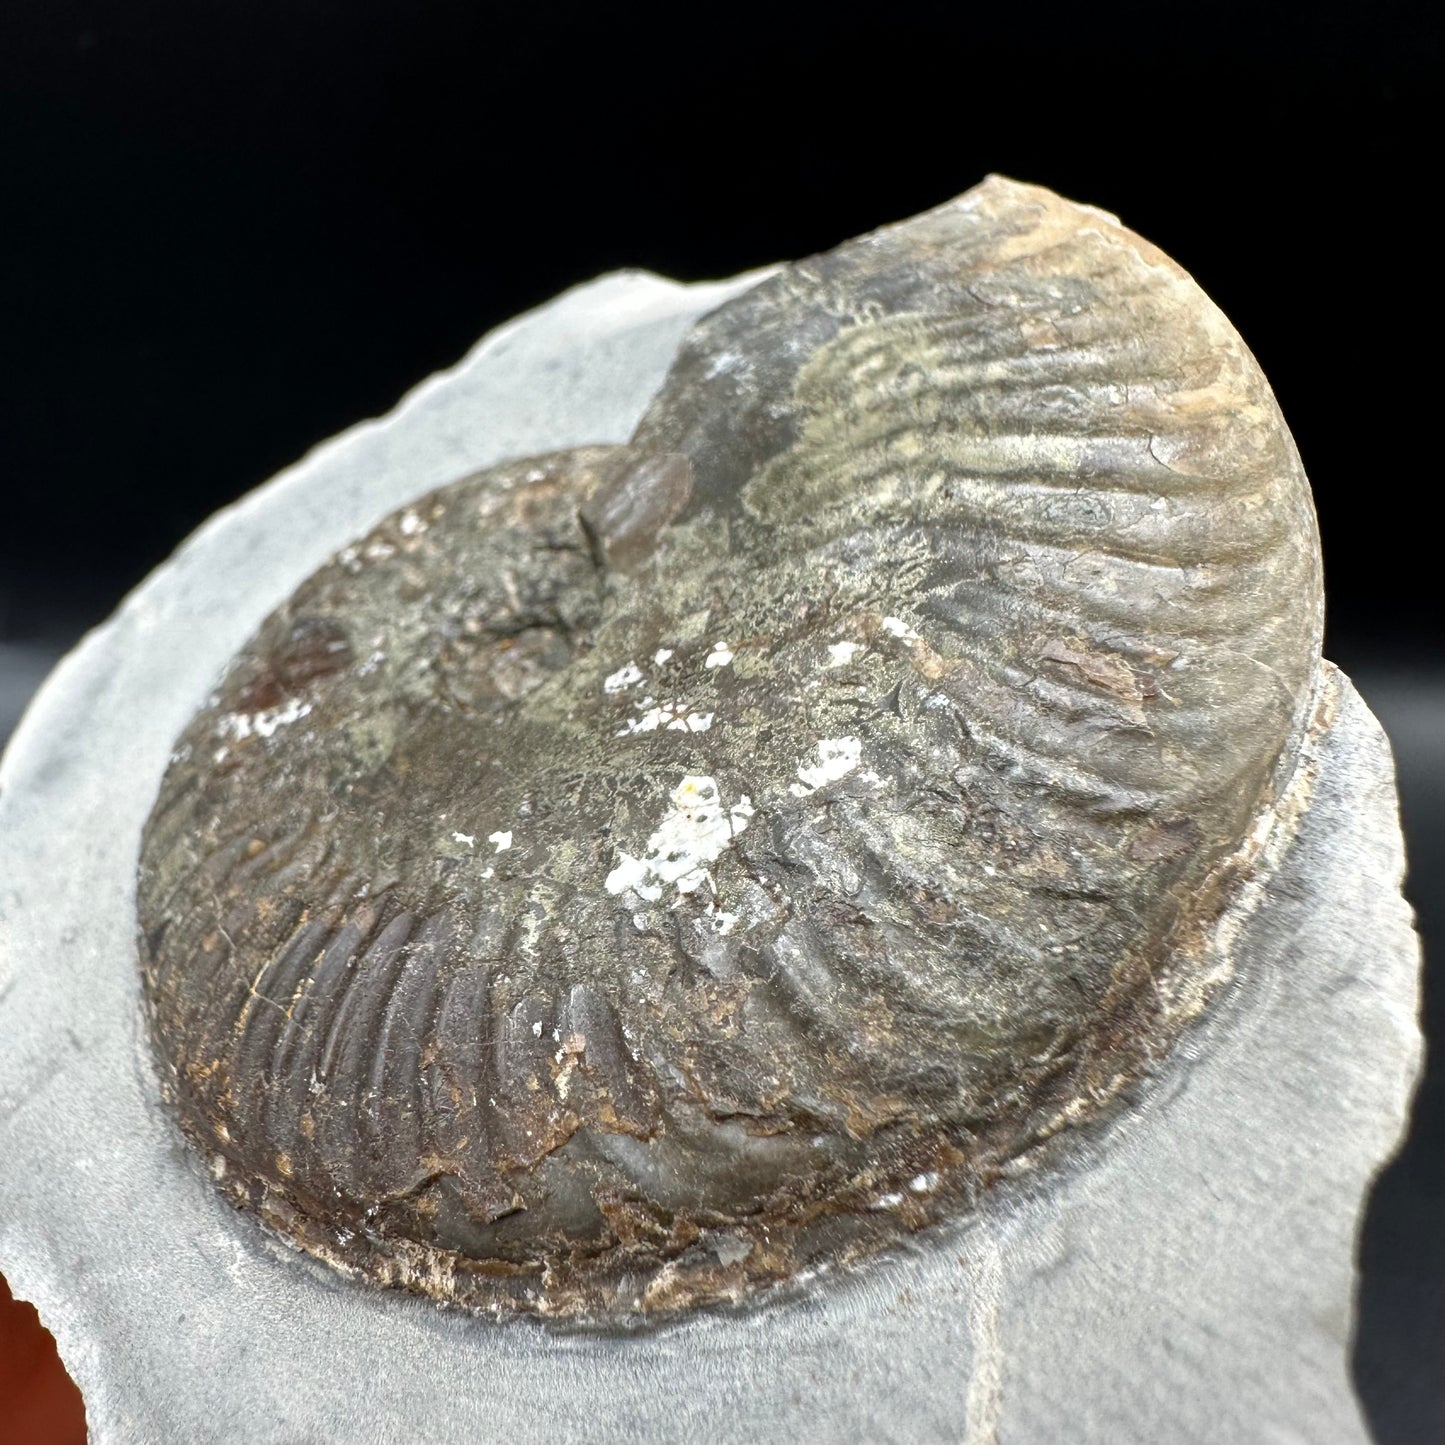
(630, 876)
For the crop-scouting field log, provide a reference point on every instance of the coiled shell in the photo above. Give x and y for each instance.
(631, 875)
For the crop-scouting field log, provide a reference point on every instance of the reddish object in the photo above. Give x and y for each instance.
(39, 1403)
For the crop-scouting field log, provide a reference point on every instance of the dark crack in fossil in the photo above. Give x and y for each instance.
(632, 876)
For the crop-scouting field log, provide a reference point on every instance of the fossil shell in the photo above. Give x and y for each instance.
(633, 875)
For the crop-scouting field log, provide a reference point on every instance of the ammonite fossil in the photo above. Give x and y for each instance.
(632, 876)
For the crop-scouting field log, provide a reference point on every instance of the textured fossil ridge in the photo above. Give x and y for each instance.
(631, 876)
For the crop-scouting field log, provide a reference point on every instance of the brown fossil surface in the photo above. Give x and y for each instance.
(632, 876)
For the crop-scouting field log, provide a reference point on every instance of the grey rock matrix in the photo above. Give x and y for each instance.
(1183, 1271)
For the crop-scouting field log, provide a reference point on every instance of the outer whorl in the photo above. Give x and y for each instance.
(630, 876)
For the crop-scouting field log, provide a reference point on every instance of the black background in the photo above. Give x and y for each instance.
(228, 230)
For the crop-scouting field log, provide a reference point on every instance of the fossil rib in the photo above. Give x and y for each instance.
(631, 875)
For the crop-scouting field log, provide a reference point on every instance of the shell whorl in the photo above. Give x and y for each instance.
(631, 875)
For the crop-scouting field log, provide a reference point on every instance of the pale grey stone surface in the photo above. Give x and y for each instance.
(1188, 1277)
